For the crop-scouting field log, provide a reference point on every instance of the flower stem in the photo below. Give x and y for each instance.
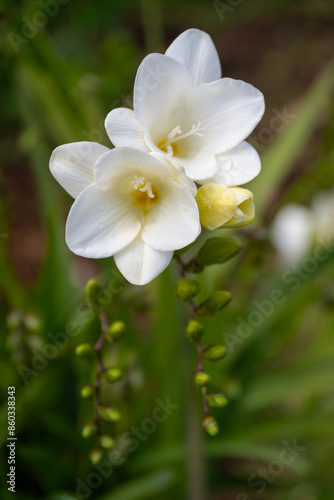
(100, 369)
(199, 345)
(195, 454)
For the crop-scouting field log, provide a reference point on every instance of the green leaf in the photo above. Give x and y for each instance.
(217, 251)
(144, 487)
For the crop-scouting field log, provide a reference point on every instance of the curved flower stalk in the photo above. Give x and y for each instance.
(93, 353)
(186, 112)
(129, 205)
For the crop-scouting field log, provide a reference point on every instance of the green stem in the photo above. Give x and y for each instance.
(100, 369)
(195, 453)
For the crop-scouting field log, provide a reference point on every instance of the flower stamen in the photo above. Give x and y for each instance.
(169, 146)
(146, 186)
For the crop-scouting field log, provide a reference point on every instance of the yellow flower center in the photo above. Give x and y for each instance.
(170, 145)
(145, 194)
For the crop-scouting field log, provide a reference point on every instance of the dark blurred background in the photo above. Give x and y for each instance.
(64, 65)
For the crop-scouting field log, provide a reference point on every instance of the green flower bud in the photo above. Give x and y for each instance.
(216, 400)
(115, 330)
(107, 442)
(187, 289)
(217, 251)
(85, 351)
(87, 392)
(89, 430)
(113, 375)
(194, 330)
(202, 379)
(215, 353)
(32, 323)
(108, 413)
(211, 426)
(215, 303)
(96, 456)
(14, 320)
(93, 288)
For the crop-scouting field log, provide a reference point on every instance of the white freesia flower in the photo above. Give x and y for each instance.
(129, 205)
(184, 111)
(291, 232)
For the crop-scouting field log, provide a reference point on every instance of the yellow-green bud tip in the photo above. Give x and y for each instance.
(202, 379)
(215, 353)
(107, 442)
(85, 351)
(109, 414)
(87, 392)
(89, 430)
(194, 330)
(115, 330)
(187, 289)
(216, 400)
(113, 375)
(96, 456)
(93, 289)
(211, 426)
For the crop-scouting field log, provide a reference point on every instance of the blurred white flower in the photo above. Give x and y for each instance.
(296, 227)
(128, 205)
(187, 113)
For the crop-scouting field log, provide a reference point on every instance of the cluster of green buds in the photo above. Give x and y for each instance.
(214, 251)
(93, 353)
(194, 332)
(24, 334)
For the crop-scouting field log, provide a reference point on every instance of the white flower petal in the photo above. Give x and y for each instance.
(196, 51)
(140, 263)
(237, 166)
(124, 162)
(227, 110)
(202, 166)
(101, 223)
(174, 222)
(177, 171)
(72, 165)
(159, 93)
(124, 129)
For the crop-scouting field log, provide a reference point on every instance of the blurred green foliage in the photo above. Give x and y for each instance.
(59, 78)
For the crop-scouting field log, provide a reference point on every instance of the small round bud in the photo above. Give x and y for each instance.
(187, 289)
(216, 400)
(108, 413)
(194, 330)
(215, 353)
(87, 392)
(202, 379)
(96, 456)
(32, 323)
(115, 330)
(93, 288)
(85, 351)
(113, 375)
(107, 442)
(14, 320)
(89, 430)
(215, 303)
(211, 426)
